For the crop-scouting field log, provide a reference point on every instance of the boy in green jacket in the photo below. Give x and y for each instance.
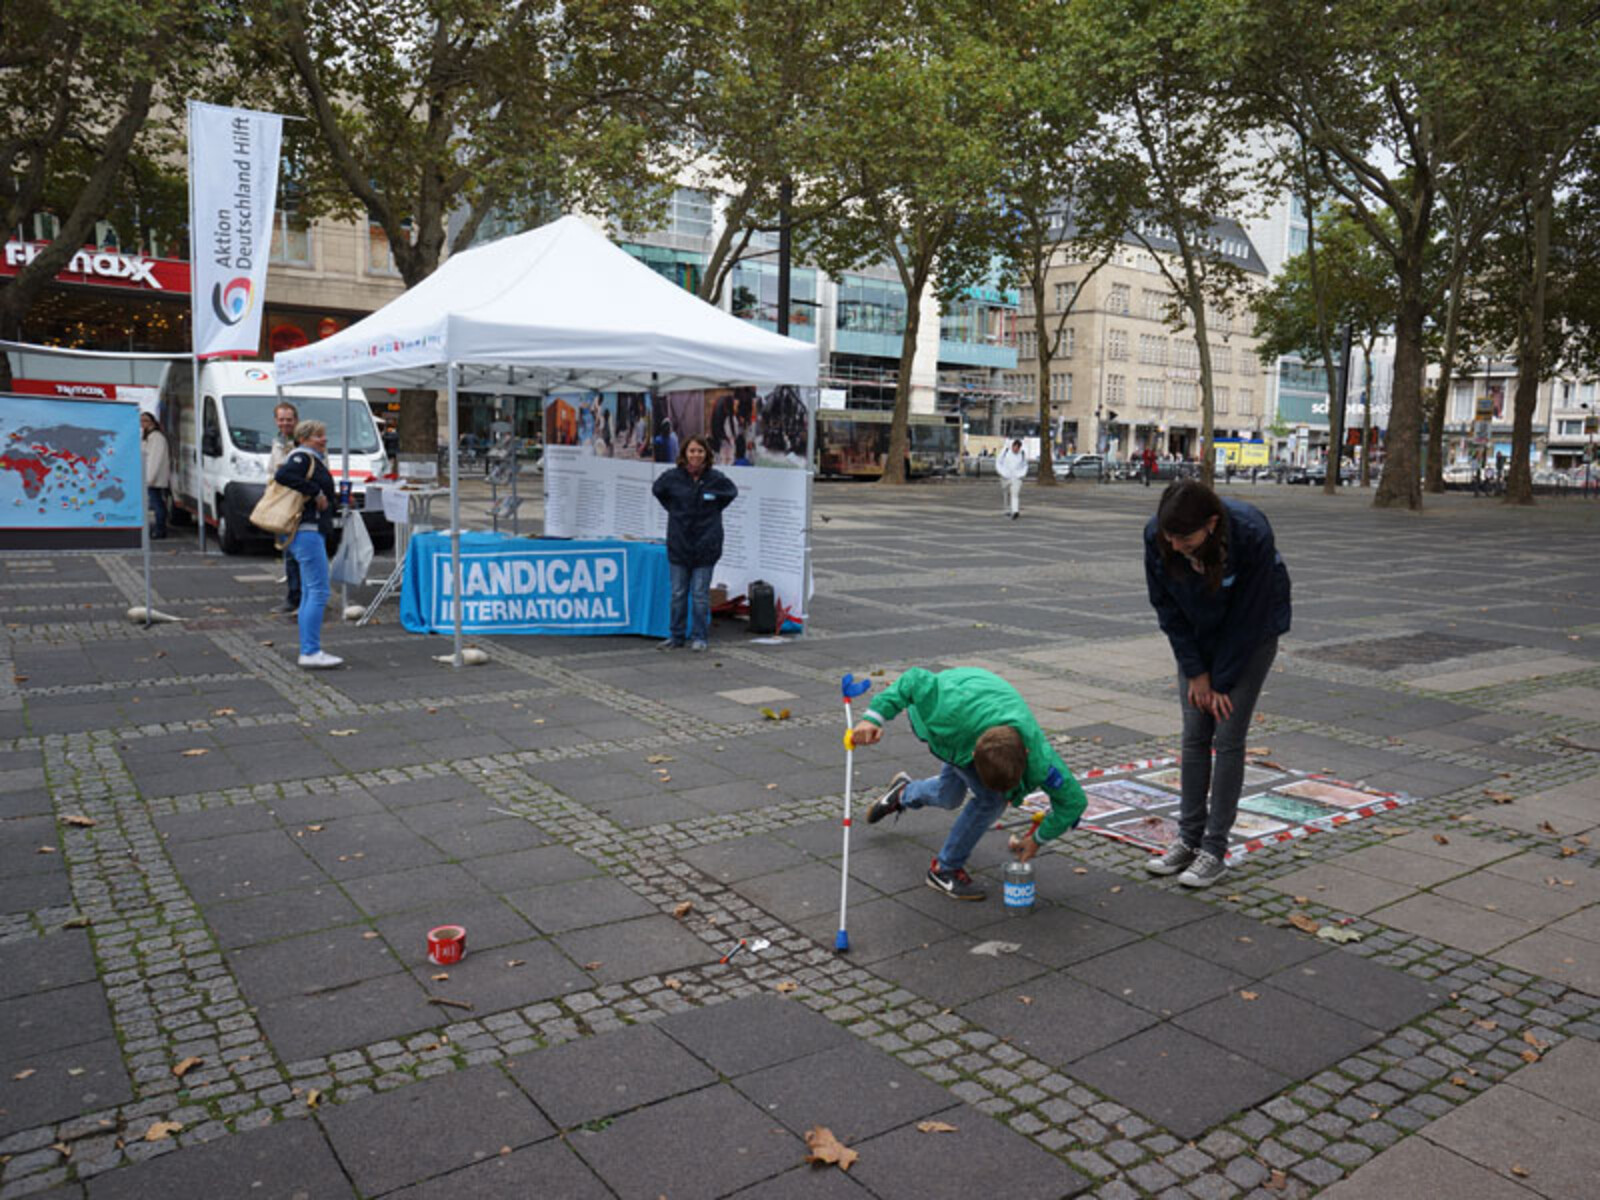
(980, 727)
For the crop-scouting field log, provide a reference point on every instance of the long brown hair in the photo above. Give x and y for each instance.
(683, 451)
(1185, 507)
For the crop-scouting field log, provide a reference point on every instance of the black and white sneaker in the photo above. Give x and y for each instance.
(957, 884)
(889, 802)
(1206, 869)
(1177, 858)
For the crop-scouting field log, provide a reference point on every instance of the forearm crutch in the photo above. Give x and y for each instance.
(849, 688)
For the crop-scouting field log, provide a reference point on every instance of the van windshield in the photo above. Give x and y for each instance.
(251, 425)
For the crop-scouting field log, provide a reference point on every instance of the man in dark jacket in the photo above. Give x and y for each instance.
(694, 493)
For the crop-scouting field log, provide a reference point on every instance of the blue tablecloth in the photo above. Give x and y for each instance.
(528, 585)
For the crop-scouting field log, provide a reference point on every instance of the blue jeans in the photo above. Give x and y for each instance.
(691, 587)
(158, 506)
(312, 555)
(948, 789)
(1203, 824)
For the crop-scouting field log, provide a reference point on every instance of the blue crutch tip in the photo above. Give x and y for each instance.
(841, 943)
(851, 687)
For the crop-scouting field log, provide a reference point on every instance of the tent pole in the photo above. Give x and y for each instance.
(345, 489)
(455, 515)
(199, 459)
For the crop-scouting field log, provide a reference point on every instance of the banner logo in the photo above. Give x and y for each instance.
(233, 300)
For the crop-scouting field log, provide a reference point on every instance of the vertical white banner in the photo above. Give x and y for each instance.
(233, 188)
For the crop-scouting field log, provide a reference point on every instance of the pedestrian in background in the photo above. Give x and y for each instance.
(694, 493)
(306, 471)
(1221, 595)
(1011, 466)
(157, 457)
(286, 416)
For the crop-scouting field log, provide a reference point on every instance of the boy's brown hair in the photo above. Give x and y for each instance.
(1000, 758)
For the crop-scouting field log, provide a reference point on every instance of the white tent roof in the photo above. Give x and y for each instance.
(552, 309)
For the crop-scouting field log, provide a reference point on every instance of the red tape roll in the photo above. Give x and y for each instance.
(447, 945)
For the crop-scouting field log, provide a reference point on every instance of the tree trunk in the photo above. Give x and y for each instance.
(1530, 357)
(1046, 357)
(1401, 486)
(1366, 414)
(894, 470)
(1338, 393)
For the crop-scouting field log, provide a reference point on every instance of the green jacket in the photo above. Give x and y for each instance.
(949, 709)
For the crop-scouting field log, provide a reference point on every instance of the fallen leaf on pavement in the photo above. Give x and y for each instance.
(1333, 933)
(1249, 995)
(1441, 839)
(314, 828)
(440, 977)
(1533, 1040)
(675, 984)
(1519, 1170)
(516, 962)
(78, 820)
(197, 752)
(1459, 1080)
(62, 1149)
(1499, 797)
(1300, 899)
(45, 850)
(1024, 999)
(1485, 1023)
(162, 1130)
(343, 732)
(184, 1066)
(658, 758)
(827, 1149)
(224, 712)
(444, 1003)
(1529, 1056)
(785, 986)
(24, 1073)
(314, 1098)
(936, 1127)
(359, 854)
(1276, 1182)
(1546, 827)
(370, 934)
(1304, 923)
(1080, 870)
(1567, 852)
(995, 949)
(683, 910)
(593, 966)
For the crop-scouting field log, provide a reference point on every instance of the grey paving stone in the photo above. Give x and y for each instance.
(906, 1164)
(1144, 1071)
(63, 1083)
(41, 1022)
(752, 1033)
(549, 1168)
(1141, 907)
(1417, 1167)
(1347, 984)
(390, 1006)
(281, 1162)
(490, 923)
(852, 1090)
(1282, 1032)
(508, 976)
(38, 965)
(278, 915)
(245, 864)
(1507, 1126)
(878, 928)
(311, 963)
(558, 907)
(1157, 977)
(1248, 947)
(432, 1127)
(530, 868)
(1057, 1019)
(743, 858)
(630, 949)
(320, 805)
(437, 888)
(708, 1143)
(950, 974)
(599, 1077)
(809, 890)
(1058, 936)
(215, 822)
(369, 844)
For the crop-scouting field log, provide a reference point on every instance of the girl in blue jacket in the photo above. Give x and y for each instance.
(694, 493)
(1221, 595)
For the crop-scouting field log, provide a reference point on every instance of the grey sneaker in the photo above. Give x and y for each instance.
(889, 802)
(956, 884)
(670, 644)
(697, 646)
(1177, 857)
(1206, 870)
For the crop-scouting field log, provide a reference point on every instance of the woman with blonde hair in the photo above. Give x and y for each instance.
(306, 471)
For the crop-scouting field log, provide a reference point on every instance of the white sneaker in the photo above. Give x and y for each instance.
(320, 661)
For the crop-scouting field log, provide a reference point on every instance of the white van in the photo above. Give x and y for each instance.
(237, 400)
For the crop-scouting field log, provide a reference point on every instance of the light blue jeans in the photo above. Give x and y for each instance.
(948, 789)
(311, 553)
(691, 589)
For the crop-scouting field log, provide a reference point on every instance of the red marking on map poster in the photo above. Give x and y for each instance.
(1325, 793)
(1130, 794)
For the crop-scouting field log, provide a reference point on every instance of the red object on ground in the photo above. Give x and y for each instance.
(447, 945)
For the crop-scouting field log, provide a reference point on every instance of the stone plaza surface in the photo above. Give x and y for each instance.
(217, 873)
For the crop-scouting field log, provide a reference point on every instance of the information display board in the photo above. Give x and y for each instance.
(71, 476)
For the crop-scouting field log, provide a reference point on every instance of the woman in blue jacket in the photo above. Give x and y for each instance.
(306, 471)
(1221, 595)
(694, 493)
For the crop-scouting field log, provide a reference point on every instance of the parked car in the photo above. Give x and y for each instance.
(1081, 466)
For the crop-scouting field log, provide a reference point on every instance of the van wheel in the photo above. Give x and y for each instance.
(226, 538)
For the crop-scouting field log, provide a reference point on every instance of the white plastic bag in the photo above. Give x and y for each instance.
(354, 556)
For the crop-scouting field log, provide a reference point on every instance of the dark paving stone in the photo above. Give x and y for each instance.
(19, 847)
(804, 1183)
(312, 963)
(856, 1091)
(1346, 984)
(1252, 949)
(642, 812)
(505, 977)
(794, 895)
(981, 1156)
(1178, 1080)
(877, 929)
(40, 964)
(949, 973)
(323, 805)
(279, 915)
(1058, 936)
(245, 864)
(1109, 736)
(391, 1006)
(287, 1161)
(706, 1144)
(559, 907)
(530, 868)
(592, 1078)
(1392, 653)
(53, 1092)
(756, 1032)
(215, 822)
(426, 791)
(629, 949)
(546, 1169)
(31, 802)
(26, 893)
(41, 1022)
(1140, 907)
(743, 858)
(1281, 1032)
(489, 922)
(438, 889)
(1057, 1019)
(431, 1127)
(368, 845)
(499, 835)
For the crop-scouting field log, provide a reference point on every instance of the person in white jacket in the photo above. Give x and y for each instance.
(157, 470)
(1011, 466)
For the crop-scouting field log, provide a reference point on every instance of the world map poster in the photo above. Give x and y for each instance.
(70, 474)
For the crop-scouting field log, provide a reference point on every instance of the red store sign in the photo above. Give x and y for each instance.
(105, 268)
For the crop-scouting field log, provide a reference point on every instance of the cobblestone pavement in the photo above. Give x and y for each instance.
(217, 871)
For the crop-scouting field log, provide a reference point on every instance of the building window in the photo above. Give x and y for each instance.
(1061, 387)
(755, 297)
(1461, 401)
(1586, 393)
(1186, 354)
(1117, 345)
(291, 232)
(1221, 359)
(977, 322)
(1566, 428)
(1028, 345)
(1219, 399)
(1152, 350)
(871, 306)
(1118, 301)
(1185, 395)
(1247, 402)
(1152, 393)
(1020, 385)
(1025, 306)
(1066, 342)
(1154, 303)
(1116, 390)
(690, 213)
(1064, 294)
(1297, 240)
(380, 256)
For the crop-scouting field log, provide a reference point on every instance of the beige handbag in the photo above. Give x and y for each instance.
(278, 510)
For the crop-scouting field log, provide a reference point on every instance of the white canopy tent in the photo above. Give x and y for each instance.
(559, 308)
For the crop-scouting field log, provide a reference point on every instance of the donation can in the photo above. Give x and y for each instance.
(1019, 888)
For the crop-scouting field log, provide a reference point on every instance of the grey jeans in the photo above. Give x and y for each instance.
(1203, 824)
